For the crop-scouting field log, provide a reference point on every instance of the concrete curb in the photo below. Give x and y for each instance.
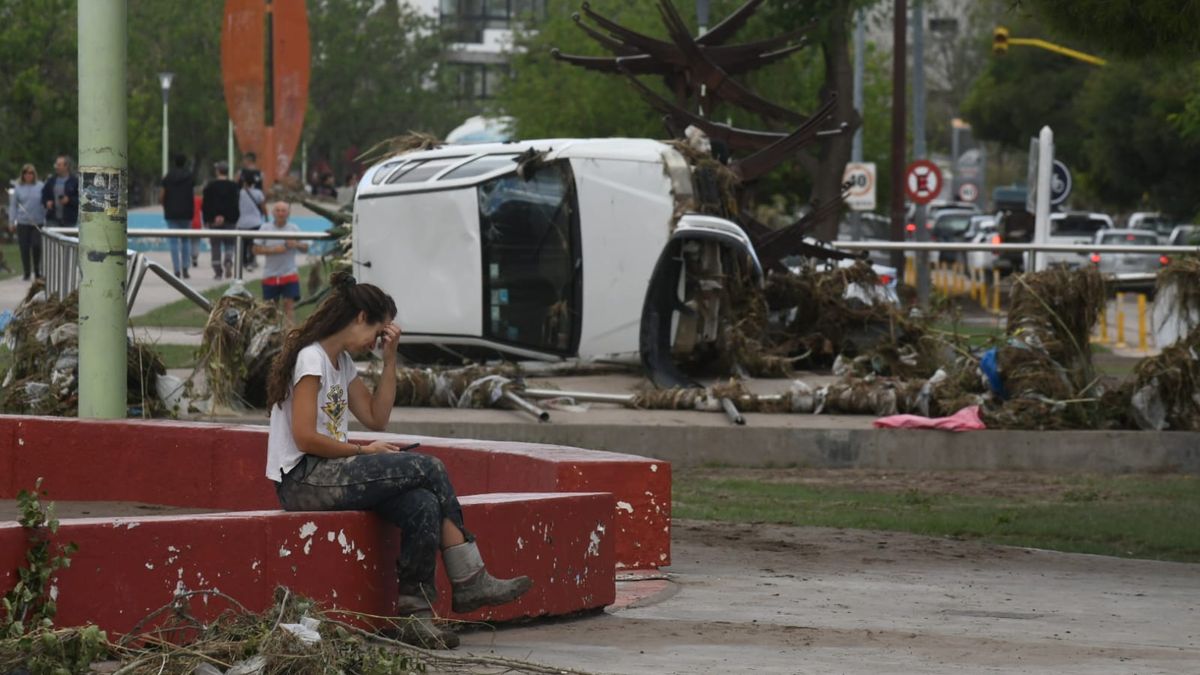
(686, 446)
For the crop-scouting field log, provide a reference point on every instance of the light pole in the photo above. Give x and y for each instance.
(165, 80)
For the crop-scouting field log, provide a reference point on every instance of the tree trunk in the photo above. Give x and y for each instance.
(834, 152)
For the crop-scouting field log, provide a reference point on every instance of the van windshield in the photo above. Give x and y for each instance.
(532, 269)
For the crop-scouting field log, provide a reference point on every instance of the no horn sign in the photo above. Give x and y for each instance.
(922, 181)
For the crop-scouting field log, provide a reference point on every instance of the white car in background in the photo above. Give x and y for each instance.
(982, 231)
(1141, 267)
(1076, 227)
(1156, 223)
(1185, 235)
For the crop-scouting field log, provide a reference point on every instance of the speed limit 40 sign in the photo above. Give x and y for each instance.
(858, 186)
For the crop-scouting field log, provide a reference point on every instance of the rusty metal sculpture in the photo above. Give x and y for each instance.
(700, 68)
(271, 134)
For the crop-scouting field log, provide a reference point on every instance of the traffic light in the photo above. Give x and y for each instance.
(1000, 41)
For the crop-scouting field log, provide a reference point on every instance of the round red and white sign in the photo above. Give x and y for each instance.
(922, 181)
(968, 192)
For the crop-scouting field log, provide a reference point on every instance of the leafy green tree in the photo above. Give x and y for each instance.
(183, 38)
(374, 76)
(38, 83)
(1134, 157)
(1127, 27)
(1019, 93)
(549, 98)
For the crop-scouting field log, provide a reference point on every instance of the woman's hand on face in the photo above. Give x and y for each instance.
(391, 336)
(379, 446)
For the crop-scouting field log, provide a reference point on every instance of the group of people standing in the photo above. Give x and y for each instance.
(34, 203)
(225, 204)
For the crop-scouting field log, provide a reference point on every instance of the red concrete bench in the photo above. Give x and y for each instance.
(565, 516)
(221, 467)
(127, 567)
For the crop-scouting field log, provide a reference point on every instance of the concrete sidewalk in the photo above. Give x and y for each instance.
(775, 599)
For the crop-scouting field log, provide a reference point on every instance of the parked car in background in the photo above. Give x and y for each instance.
(871, 227)
(1157, 223)
(1117, 264)
(983, 230)
(1185, 235)
(951, 225)
(1074, 228)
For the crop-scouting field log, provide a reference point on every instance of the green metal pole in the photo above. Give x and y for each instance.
(103, 185)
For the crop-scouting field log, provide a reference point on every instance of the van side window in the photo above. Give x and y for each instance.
(532, 268)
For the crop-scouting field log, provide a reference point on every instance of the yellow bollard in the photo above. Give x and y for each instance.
(958, 278)
(910, 271)
(1103, 325)
(996, 291)
(1143, 345)
(1119, 338)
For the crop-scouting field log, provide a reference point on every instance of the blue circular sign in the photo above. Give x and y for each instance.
(1060, 183)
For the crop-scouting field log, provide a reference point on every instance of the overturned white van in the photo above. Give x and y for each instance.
(548, 250)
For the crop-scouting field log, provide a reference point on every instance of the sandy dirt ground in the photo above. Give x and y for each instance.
(777, 599)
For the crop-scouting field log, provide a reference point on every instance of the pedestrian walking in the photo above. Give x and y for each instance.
(220, 206)
(177, 196)
(60, 194)
(27, 215)
(311, 387)
(281, 275)
(251, 209)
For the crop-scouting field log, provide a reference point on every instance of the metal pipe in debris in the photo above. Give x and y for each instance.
(522, 404)
(732, 413)
(579, 396)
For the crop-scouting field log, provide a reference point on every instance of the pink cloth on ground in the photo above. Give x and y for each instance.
(966, 419)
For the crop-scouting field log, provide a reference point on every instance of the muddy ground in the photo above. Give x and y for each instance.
(778, 599)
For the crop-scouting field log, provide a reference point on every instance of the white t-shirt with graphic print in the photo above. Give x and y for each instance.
(333, 407)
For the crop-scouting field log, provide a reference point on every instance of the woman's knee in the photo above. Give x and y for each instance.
(431, 466)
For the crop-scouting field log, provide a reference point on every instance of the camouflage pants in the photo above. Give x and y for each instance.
(409, 490)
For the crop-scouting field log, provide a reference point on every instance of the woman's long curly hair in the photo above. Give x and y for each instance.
(336, 311)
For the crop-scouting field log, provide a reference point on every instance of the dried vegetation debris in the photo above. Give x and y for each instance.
(42, 378)
(1045, 363)
(295, 636)
(240, 341)
(1165, 389)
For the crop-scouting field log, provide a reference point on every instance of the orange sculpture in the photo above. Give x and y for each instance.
(244, 36)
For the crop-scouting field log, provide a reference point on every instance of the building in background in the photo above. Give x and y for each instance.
(482, 31)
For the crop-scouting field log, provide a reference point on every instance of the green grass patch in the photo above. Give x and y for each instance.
(177, 356)
(186, 314)
(1129, 516)
(976, 334)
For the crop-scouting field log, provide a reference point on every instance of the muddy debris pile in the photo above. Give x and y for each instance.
(1164, 392)
(42, 377)
(1044, 369)
(239, 344)
(814, 317)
